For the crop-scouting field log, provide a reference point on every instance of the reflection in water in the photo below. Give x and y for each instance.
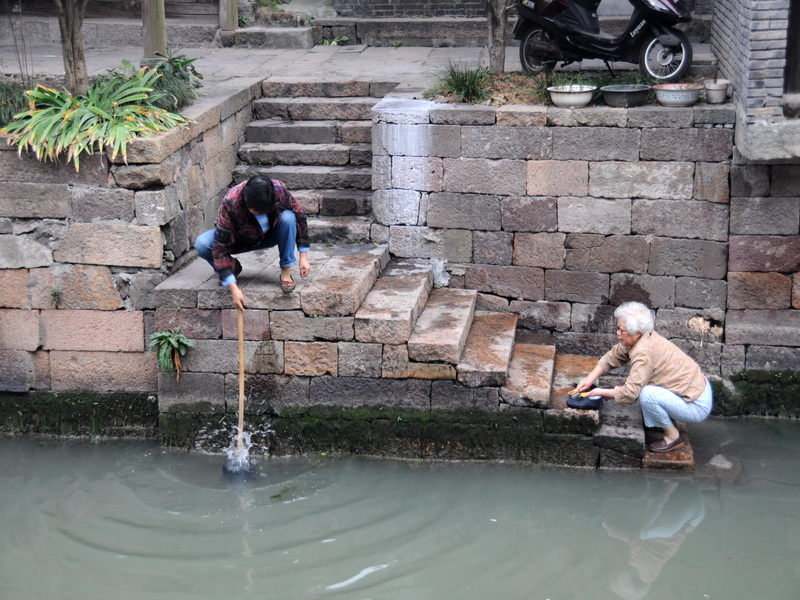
(673, 509)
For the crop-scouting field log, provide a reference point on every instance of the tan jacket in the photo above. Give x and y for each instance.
(654, 360)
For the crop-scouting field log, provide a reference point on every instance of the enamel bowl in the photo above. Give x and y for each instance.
(678, 94)
(571, 96)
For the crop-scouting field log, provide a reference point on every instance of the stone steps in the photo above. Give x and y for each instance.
(310, 176)
(335, 203)
(488, 350)
(335, 155)
(327, 131)
(288, 38)
(442, 328)
(315, 109)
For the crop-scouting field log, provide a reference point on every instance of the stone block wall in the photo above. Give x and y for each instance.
(409, 8)
(750, 38)
(559, 215)
(81, 252)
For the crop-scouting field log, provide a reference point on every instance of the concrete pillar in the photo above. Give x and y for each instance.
(228, 15)
(154, 29)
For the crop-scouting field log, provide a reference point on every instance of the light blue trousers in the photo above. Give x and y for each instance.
(660, 407)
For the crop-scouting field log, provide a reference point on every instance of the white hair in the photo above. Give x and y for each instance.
(636, 317)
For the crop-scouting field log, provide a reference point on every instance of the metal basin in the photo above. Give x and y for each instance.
(625, 96)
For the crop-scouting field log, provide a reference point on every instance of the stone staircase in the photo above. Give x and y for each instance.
(364, 331)
(317, 139)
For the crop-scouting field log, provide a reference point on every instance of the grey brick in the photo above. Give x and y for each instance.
(768, 216)
(594, 215)
(785, 180)
(608, 254)
(593, 318)
(484, 176)
(542, 315)
(396, 207)
(453, 245)
(693, 292)
(681, 219)
(691, 258)
(513, 282)
(763, 327)
(772, 358)
(360, 360)
(596, 143)
(492, 247)
(655, 292)
(524, 213)
(656, 180)
(449, 210)
(360, 391)
(506, 142)
(576, 286)
(416, 140)
(545, 250)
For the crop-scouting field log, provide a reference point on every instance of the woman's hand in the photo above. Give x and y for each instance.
(584, 384)
(305, 265)
(237, 296)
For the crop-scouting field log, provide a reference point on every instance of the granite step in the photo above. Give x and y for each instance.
(442, 328)
(335, 203)
(681, 459)
(315, 109)
(530, 375)
(288, 38)
(305, 176)
(340, 230)
(295, 87)
(391, 309)
(309, 132)
(261, 153)
(342, 283)
(488, 349)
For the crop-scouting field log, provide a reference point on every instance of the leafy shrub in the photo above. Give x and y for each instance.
(177, 81)
(12, 101)
(169, 345)
(115, 109)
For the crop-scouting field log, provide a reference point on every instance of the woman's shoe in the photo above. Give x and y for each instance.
(287, 287)
(664, 446)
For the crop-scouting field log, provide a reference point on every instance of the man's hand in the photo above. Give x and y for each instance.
(237, 296)
(305, 266)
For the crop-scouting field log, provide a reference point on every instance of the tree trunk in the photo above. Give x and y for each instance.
(497, 13)
(70, 22)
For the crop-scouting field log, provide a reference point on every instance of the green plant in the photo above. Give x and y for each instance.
(12, 101)
(336, 41)
(243, 21)
(115, 110)
(55, 297)
(177, 81)
(397, 43)
(170, 345)
(467, 84)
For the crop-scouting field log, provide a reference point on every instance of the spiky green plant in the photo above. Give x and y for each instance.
(467, 84)
(12, 101)
(112, 113)
(169, 345)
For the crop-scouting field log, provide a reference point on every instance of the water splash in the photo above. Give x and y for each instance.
(238, 456)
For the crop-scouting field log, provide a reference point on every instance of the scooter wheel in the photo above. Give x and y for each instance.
(666, 63)
(537, 52)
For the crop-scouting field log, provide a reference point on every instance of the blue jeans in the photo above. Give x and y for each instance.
(660, 406)
(283, 235)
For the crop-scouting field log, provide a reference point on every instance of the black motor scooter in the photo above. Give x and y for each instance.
(551, 31)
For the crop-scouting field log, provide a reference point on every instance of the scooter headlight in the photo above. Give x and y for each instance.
(664, 6)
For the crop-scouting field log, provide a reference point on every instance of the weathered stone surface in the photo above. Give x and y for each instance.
(19, 330)
(416, 140)
(390, 311)
(681, 459)
(462, 114)
(484, 176)
(140, 177)
(711, 145)
(81, 287)
(121, 245)
(424, 174)
(750, 180)
(706, 325)
(449, 395)
(525, 283)
(93, 331)
(103, 371)
(381, 172)
(443, 326)
(490, 303)
(589, 343)
(576, 286)
(402, 110)
(759, 290)
(596, 143)
(255, 325)
(765, 216)
(523, 213)
(612, 460)
(396, 207)
(23, 252)
(34, 200)
(357, 391)
(181, 288)
(621, 429)
(295, 325)
(396, 365)
(521, 115)
(680, 219)
(711, 182)
(569, 450)
(608, 254)
(593, 318)
(293, 87)
(340, 109)
(95, 203)
(591, 116)
(269, 390)
(311, 359)
(653, 115)
(655, 292)
(25, 167)
(194, 323)
(13, 288)
(492, 247)
(545, 250)
(542, 315)
(691, 258)
(16, 370)
(656, 180)
(297, 154)
(764, 253)
(506, 142)
(594, 215)
(529, 375)
(785, 180)
(796, 290)
(487, 352)
(452, 245)
(341, 285)
(558, 178)
(464, 211)
(693, 292)
(222, 356)
(772, 358)
(360, 360)
(193, 388)
(732, 359)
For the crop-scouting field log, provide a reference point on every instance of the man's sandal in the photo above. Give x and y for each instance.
(287, 287)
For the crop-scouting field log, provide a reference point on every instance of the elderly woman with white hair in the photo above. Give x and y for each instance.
(668, 384)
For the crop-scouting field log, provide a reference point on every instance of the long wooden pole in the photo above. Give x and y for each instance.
(241, 378)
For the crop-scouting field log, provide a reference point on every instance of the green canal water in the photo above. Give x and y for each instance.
(129, 520)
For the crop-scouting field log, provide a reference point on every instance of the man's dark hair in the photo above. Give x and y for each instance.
(259, 194)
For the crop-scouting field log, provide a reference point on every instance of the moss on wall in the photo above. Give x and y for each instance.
(758, 393)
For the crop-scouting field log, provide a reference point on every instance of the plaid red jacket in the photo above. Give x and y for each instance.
(237, 230)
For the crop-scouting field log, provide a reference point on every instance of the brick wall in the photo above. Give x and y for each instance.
(749, 38)
(560, 215)
(81, 253)
(409, 8)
